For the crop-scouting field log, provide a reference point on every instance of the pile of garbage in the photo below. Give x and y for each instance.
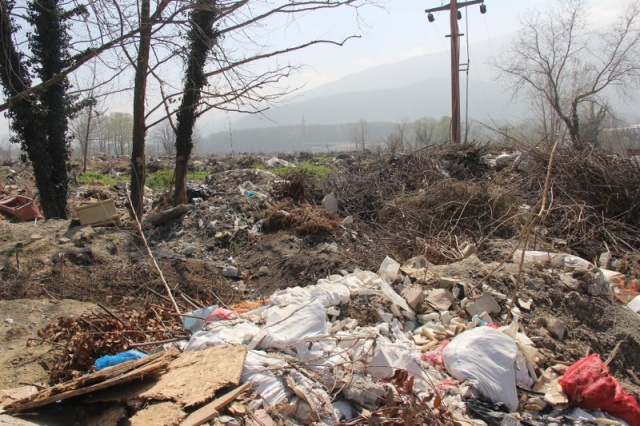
(433, 354)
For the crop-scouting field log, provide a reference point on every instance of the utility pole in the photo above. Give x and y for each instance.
(454, 15)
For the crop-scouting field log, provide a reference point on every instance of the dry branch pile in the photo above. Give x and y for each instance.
(81, 340)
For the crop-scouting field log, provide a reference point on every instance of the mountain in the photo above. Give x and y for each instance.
(429, 98)
(408, 89)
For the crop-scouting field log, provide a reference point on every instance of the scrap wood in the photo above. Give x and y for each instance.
(163, 413)
(159, 218)
(210, 410)
(122, 373)
(196, 376)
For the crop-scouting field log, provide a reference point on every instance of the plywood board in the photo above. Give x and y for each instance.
(163, 413)
(194, 377)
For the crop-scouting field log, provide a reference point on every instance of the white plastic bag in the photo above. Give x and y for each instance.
(291, 325)
(486, 358)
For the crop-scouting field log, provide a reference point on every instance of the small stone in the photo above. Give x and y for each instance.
(525, 305)
(330, 203)
(445, 318)
(230, 272)
(64, 240)
(264, 270)
(188, 250)
(35, 237)
(8, 321)
(441, 299)
(556, 328)
(569, 282)
(485, 304)
(425, 318)
(446, 282)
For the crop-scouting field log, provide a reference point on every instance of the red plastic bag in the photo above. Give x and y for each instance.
(589, 385)
(221, 314)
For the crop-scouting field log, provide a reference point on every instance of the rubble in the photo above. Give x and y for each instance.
(324, 319)
(298, 357)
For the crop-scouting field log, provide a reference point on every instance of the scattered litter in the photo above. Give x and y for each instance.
(100, 213)
(20, 207)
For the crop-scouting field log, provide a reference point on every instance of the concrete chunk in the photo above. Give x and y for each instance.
(485, 304)
(414, 294)
(441, 299)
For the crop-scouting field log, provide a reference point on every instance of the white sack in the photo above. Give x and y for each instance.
(486, 358)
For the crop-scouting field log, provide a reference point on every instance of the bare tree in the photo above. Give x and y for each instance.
(361, 134)
(164, 135)
(118, 131)
(397, 139)
(559, 58)
(429, 131)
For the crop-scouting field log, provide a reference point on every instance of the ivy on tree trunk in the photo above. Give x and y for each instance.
(202, 37)
(40, 121)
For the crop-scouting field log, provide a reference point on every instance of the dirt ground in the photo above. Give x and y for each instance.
(217, 254)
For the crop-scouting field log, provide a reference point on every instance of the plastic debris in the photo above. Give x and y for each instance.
(111, 360)
(486, 358)
(589, 385)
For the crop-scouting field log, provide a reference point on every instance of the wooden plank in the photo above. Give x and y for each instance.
(195, 377)
(210, 410)
(48, 396)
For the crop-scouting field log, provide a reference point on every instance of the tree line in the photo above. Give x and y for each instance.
(177, 59)
(135, 46)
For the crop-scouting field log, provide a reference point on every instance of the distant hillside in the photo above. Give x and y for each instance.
(430, 98)
(408, 89)
(293, 138)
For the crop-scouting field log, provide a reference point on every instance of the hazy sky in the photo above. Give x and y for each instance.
(401, 30)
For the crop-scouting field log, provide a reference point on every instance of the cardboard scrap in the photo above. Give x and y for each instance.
(162, 413)
(194, 377)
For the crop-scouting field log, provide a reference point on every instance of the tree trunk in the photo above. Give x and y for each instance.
(87, 135)
(139, 127)
(48, 44)
(26, 119)
(202, 37)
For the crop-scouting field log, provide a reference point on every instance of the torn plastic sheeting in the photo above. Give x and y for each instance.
(313, 394)
(389, 269)
(223, 333)
(555, 259)
(302, 323)
(330, 294)
(194, 320)
(322, 353)
(264, 373)
(389, 357)
(486, 358)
